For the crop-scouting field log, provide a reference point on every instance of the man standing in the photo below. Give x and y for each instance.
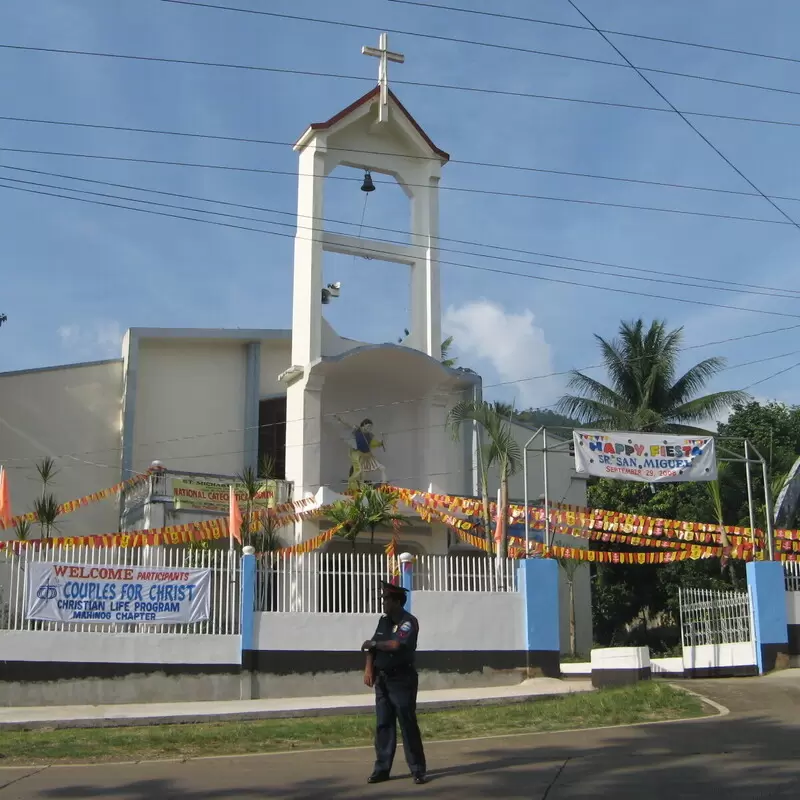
(390, 669)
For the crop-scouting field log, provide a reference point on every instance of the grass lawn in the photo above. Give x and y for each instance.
(644, 702)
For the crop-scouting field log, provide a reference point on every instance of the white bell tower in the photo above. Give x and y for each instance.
(376, 134)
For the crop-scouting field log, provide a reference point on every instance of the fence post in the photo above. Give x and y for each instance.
(767, 585)
(407, 576)
(247, 620)
(537, 579)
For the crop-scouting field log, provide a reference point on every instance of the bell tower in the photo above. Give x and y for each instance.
(378, 135)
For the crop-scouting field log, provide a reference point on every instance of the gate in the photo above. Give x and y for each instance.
(717, 633)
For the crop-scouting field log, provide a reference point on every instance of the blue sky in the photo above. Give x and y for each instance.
(74, 276)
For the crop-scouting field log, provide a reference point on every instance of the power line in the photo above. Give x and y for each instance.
(376, 253)
(361, 410)
(644, 37)
(684, 118)
(294, 226)
(465, 162)
(423, 84)
(477, 43)
(773, 375)
(780, 291)
(462, 189)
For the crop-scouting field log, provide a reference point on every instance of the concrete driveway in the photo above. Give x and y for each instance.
(750, 753)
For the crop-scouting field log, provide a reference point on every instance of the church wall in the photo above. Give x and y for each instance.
(276, 357)
(55, 412)
(190, 405)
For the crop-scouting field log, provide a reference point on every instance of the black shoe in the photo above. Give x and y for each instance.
(420, 779)
(378, 777)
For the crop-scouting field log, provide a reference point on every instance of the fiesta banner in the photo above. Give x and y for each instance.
(646, 458)
(122, 594)
(213, 494)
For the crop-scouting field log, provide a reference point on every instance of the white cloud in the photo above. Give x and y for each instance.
(99, 339)
(515, 348)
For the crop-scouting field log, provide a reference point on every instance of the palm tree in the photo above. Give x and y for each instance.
(381, 510)
(570, 567)
(366, 509)
(501, 450)
(46, 506)
(447, 359)
(645, 393)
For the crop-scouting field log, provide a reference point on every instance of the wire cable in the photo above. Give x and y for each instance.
(405, 233)
(478, 43)
(465, 162)
(684, 118)
(644, 37)
(462, 189)
(377, 253)
(294, 226)
(399, 82)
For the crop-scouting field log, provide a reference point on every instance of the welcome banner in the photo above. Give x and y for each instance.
(113, 593)
(644, 457)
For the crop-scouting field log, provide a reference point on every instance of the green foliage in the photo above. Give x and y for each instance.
(447, 359)
(645, 392)
(544, 417)
(22, 530)
(47, 511)
(367, 509)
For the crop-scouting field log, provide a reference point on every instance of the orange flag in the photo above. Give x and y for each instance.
(5, 499)
(235, 519)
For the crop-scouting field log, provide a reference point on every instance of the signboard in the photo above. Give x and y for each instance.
(213, 494)
(121, 594)
(645, 457)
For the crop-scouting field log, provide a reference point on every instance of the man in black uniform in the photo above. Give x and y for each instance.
(390, 669)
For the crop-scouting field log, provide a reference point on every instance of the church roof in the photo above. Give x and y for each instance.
(372, 93)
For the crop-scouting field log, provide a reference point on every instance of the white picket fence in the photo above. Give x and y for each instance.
(791, 570)
(225, 589)
(349, 583)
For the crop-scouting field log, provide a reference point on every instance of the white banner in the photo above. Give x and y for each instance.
(121, 594)
(645, 457)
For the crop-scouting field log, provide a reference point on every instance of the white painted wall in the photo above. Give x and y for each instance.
(620, 658)
(667, 666)
(407, 398)
(793, 608)
(276, 358)
(186, 390)
(119, 648)
(321, 632)
(708, 656)
(469, 620)
(448, 621)
(60, 411)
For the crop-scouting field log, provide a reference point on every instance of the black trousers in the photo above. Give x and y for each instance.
(396, 701)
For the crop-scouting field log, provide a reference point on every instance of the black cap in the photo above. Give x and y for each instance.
(392, 588)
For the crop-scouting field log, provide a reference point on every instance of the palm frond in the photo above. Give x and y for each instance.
(694, 379)
(707, 406)
(47, 470)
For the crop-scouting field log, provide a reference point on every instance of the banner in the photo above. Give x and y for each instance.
(213, 494)
(121, 594)
(645, 457)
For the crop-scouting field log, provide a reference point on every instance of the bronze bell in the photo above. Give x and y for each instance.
(368, 185)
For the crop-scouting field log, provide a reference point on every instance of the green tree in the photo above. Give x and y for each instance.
(645, 393)
(46, 506)
(500, 449)
(447, 359)
(366, 509)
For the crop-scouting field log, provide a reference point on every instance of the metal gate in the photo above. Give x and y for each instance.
(717, 632)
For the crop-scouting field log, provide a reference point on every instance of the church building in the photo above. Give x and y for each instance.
(208, 403)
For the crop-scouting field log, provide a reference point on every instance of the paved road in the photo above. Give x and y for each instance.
(751, 753)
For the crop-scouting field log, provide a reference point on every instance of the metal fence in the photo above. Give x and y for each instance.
(349, 583)
(791, 569)
(709, 616)
(225, 589)
(465, 573)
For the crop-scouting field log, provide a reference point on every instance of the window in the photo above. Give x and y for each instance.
(272, 433)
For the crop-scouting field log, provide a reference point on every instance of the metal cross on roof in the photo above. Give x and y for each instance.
(384, 55)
